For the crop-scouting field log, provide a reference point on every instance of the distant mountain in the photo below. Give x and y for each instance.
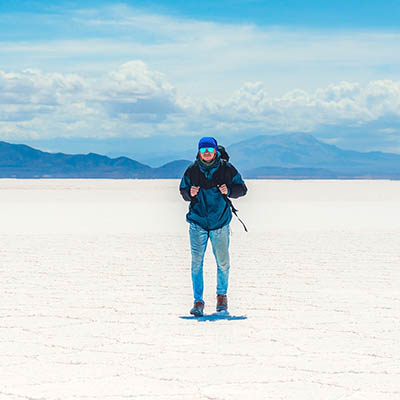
(292, 173)
(304, 151)
(156, 159)
(288, 156)
(172, 170)
(20, 161)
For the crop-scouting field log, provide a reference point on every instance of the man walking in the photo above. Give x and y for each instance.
(207, 183)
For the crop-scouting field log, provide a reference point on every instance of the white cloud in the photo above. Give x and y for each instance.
(344, 104)
(33, 87)
(207, 58)
(54, 104)
(134, 100)
(134, 92)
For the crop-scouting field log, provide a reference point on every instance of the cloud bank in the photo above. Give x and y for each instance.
(131, 99)
(346, 103)
(134, 100)
(201, 58)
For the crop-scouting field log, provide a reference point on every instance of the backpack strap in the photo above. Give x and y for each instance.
(198, 179)
(235, 210)
(219, 178)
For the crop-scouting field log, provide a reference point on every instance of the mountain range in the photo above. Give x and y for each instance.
(305, 151)
(289, 156)
(21, 161)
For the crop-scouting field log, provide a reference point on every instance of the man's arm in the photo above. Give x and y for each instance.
(237, 188)
(184, 188)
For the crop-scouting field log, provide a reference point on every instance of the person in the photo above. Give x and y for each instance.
(207, 183)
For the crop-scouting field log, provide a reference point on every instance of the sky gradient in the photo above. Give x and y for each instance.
(98, 71)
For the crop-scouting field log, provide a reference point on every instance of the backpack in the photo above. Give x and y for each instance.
(216, 181)
(223, 152)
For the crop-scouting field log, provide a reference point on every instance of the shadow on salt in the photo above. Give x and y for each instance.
(216, 317)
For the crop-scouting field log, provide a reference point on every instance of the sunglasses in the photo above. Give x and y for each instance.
(209, 149)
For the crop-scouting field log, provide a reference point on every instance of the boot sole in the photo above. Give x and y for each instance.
(197, 313)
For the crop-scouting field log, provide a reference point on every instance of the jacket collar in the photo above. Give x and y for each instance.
(208, 170)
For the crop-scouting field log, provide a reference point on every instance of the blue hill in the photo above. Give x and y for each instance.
(288, 156)
(304, 151)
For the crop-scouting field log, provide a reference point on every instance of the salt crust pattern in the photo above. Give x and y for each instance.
(95, 302)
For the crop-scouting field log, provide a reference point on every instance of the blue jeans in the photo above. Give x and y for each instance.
(220, 244)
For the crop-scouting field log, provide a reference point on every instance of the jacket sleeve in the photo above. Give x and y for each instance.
(185, 185)
(237, 187)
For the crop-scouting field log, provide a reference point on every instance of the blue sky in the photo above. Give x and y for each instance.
(100, 72)
(324, 14)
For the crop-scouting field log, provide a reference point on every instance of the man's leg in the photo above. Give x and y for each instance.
(220, 244)
(198, 245)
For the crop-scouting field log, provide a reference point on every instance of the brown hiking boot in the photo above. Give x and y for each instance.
(222, 302)
(197, 309)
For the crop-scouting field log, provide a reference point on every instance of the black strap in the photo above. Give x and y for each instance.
(234, 210)
(198, 179)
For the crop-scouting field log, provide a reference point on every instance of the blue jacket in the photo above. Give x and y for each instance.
(209, 209)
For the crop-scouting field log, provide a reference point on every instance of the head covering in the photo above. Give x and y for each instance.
(208, 142)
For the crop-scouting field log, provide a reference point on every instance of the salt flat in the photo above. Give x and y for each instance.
(96, 291)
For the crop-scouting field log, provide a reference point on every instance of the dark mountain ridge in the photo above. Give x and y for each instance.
(304, 151)
(288, 156)
(21, 161)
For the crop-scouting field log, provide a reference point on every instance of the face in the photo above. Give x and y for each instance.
(208, 156)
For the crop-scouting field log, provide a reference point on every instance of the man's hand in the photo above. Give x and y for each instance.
(223, 189)
(194, 190)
